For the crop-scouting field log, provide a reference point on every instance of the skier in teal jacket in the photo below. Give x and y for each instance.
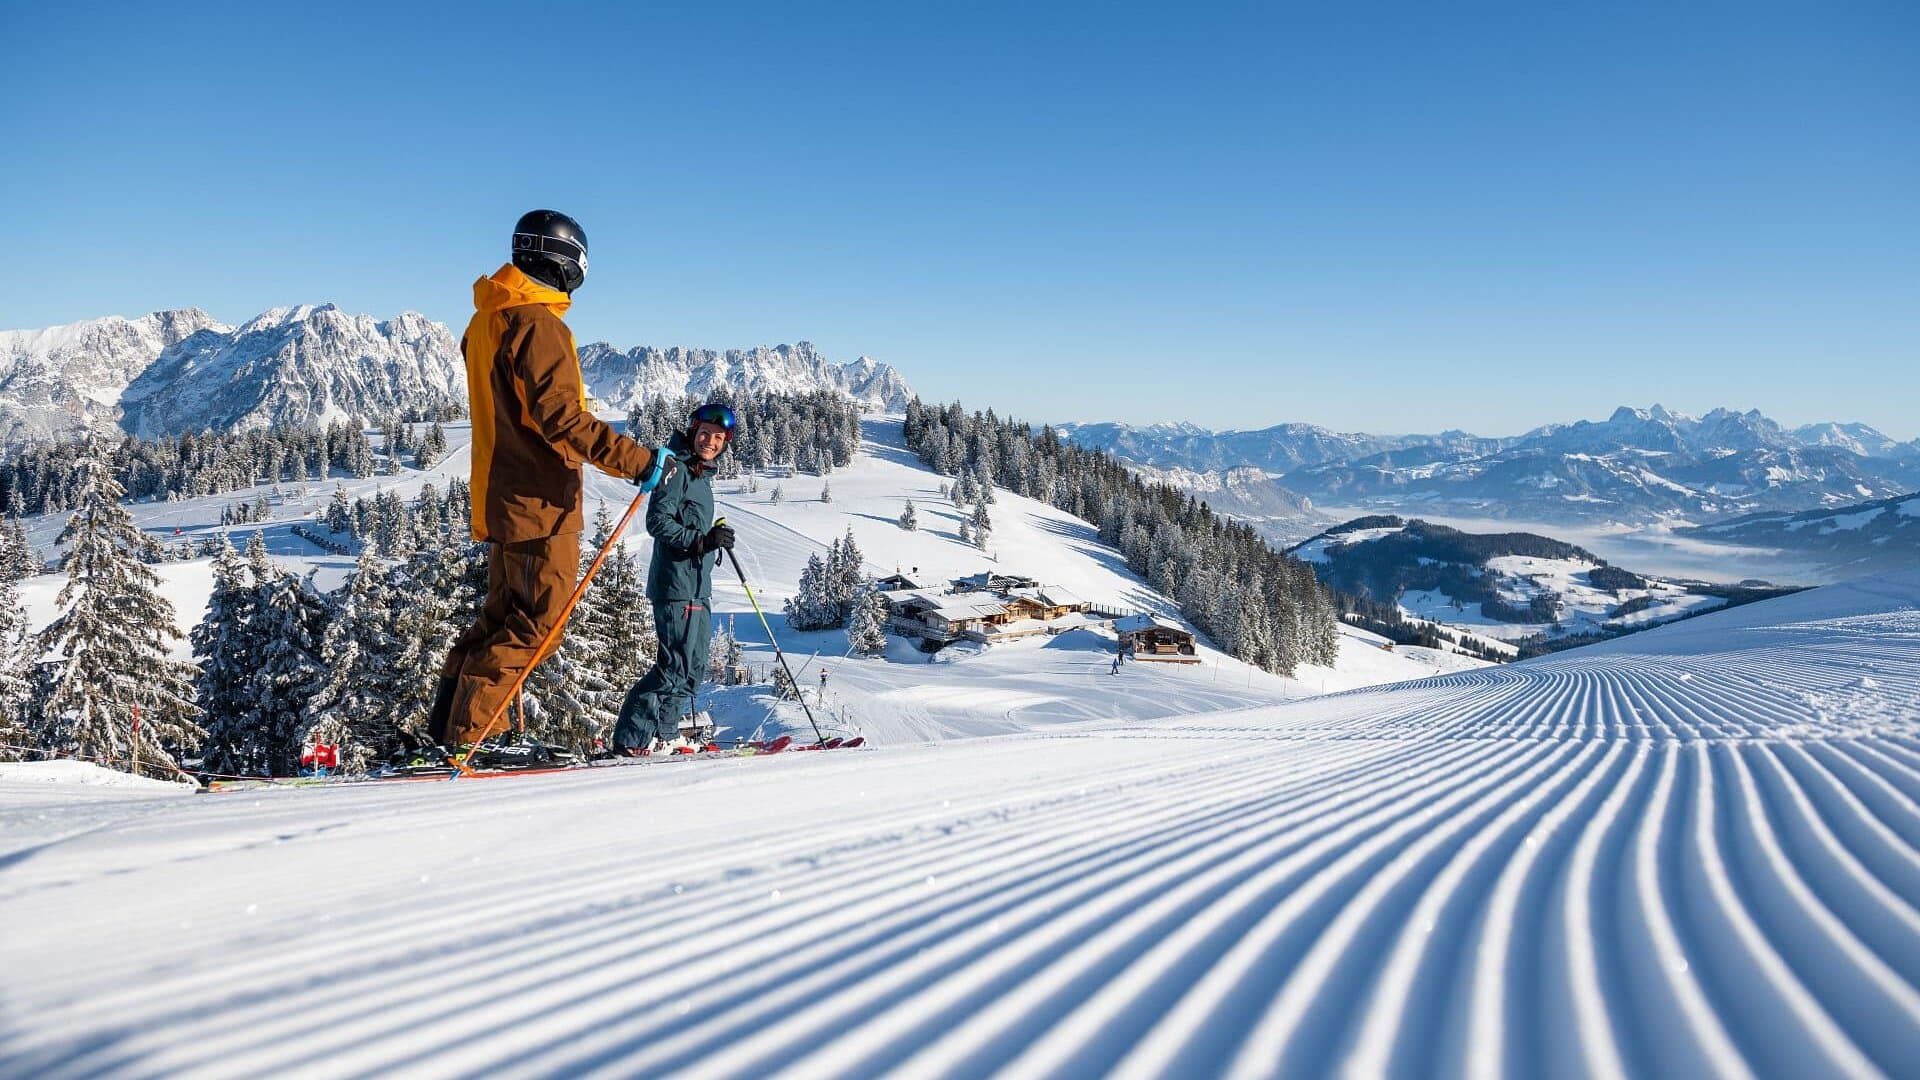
(686, 545)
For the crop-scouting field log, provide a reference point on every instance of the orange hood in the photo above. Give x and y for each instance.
(509, 287)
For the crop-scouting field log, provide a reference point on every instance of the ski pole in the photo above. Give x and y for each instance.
(777, 654)
(549, 642)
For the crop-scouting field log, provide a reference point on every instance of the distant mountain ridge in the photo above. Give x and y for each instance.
(1862, 538)
(1637, 465)
(64, 378)
(172, 372)
(623, 378)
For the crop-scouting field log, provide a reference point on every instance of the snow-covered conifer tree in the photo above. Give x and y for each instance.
(982, 523)
(778, 495)
(339, 512)
(812, 607)
(826, 492)
(17, 559)
(111, 641)
(867, 625)
(909, 520)
(351, 707)
(724, 654)
(288, 623)
(15, 689)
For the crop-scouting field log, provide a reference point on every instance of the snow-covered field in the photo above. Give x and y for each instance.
(1584, 608)
(1691, 851)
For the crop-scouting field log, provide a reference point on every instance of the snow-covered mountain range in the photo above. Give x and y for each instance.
(1246, 494)
(296, 365)
(623, 378)
(63, 378)
(1637, 465)
(178, 371)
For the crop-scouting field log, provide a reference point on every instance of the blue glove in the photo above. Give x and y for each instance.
(662, 458)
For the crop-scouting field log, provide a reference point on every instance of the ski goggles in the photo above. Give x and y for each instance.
(552, 245)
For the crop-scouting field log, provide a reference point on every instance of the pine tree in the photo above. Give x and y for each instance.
(983, 480)
(867, 626)
(15, 689)
(724, 654)
(966, 533)
(110, 641)
(909, 520)
(225, 652)
(17, 559)
(826, 492)
(982, 523)
(351, 707)
(845, 574)
(339, 512)
(812, 607)
(289, 621)
(778, 496)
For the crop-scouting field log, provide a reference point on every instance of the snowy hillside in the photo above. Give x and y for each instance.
(1016, 686)
(1693, 851)
(1503, 587)
(1846, 540)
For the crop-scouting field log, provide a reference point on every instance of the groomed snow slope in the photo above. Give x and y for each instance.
(1686, 852)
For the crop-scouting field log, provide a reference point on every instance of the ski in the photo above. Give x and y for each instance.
(418, 774)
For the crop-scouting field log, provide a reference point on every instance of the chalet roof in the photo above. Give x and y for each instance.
(904, 581)
(961, 609)
(1136, 623)
(901, 598)
(1048, 596)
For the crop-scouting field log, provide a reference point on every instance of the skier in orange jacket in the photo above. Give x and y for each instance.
(531, 434)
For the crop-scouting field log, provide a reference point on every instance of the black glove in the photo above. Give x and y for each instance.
(718, 537)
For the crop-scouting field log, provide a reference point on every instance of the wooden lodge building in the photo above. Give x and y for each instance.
(1150, 637)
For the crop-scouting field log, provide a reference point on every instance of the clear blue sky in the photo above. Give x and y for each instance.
(1488, 218)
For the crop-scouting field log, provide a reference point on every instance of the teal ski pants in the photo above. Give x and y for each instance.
(656, 703)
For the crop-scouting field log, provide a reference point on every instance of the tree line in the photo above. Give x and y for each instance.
(44, 477)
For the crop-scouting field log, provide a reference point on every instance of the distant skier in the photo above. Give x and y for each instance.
(1116, 663)
(823, 684)
(687, 545)
(531, 434)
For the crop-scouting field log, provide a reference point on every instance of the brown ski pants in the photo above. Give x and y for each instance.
(528, 583)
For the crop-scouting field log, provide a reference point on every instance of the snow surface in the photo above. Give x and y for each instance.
(1690, 851)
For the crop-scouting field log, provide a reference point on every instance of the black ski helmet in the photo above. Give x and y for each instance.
(551, 248)
(718, 413)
